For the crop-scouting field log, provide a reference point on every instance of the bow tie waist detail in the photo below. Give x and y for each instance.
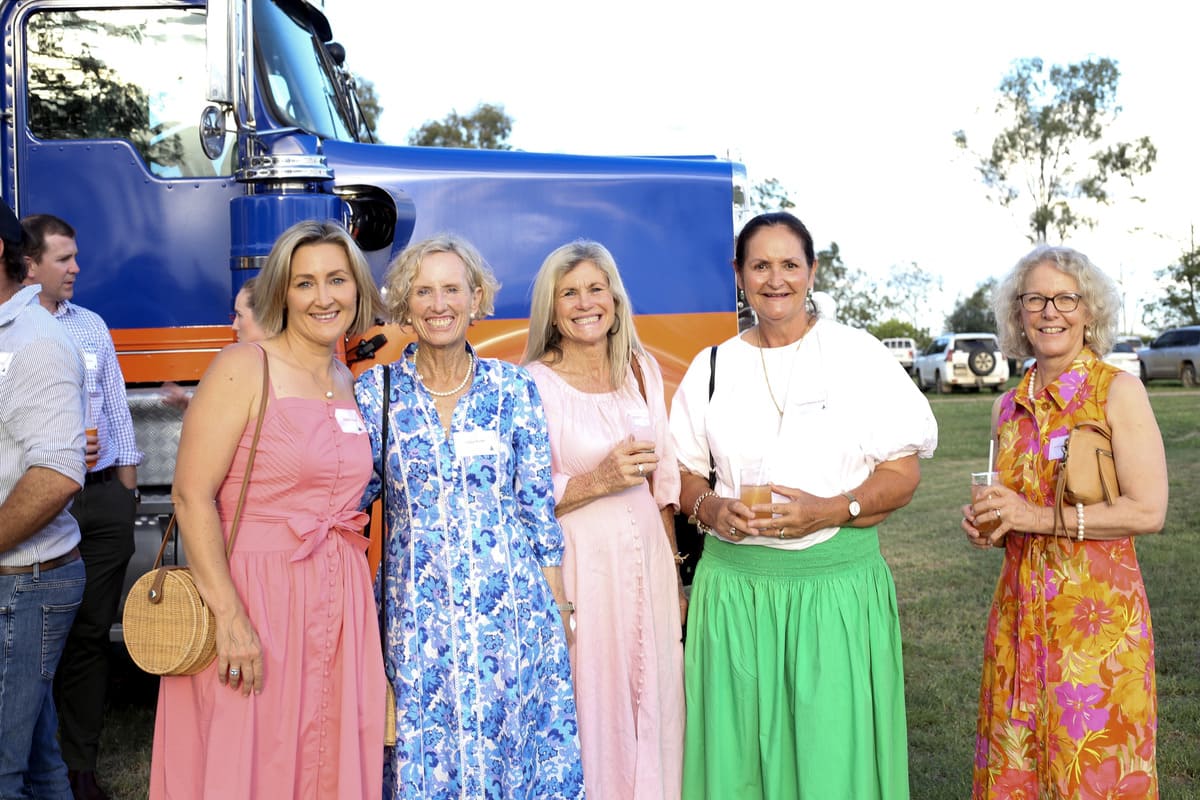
(314, 531)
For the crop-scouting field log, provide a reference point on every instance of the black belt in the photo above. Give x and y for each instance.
(61, 561)
(100, 476)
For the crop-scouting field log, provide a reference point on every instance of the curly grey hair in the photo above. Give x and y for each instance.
(1098, 295)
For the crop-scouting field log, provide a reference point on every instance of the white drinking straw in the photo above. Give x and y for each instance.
(991, 459)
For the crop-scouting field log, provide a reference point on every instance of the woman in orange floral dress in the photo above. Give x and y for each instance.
(1067, 706)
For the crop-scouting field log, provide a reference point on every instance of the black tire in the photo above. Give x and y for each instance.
(938, 386)
(1187, 376)
(1144, 375)
(982, 362)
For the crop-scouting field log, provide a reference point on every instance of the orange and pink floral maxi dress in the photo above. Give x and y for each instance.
(1067, 706)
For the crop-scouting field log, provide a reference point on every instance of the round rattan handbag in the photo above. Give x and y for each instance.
(169, 630)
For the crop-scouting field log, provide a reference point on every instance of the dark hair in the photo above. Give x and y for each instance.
(15, 268)
(769, 221)
(38, 227)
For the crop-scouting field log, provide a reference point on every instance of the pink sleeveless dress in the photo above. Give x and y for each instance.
(300, 567)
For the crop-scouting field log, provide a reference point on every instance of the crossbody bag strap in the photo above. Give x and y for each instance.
(237, 515)
(258, 426)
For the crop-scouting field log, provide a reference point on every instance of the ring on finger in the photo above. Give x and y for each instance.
(997, 515)
(234, 672)
(641, 471)
(732, 531)
(783, 533)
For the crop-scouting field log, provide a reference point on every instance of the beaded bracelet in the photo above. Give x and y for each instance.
(567, 607)
(1079, 521)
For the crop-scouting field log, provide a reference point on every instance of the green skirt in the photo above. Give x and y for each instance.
(793, 673)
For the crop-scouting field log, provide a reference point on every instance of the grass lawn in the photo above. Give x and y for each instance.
(944, 587)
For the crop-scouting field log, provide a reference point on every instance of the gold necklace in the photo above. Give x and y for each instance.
(762, 345)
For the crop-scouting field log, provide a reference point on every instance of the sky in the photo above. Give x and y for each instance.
(851, 105)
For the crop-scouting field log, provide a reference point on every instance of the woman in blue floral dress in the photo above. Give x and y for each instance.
(474, 644)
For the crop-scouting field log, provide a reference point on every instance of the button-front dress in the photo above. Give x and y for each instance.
(1067, 706)
(620, 573)
(474, 643)
(300, 568)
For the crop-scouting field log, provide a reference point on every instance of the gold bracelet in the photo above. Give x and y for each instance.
(680, 559)
(694, 519)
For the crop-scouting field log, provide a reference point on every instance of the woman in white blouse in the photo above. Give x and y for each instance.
(794, 680)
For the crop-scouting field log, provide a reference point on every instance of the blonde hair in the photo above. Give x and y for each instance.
(545, 338)
(269, 296)
(404, 268)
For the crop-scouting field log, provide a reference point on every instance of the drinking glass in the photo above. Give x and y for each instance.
(754, 489)
(638, 424)
(979, 482)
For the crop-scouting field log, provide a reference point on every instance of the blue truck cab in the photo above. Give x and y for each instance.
(180, 138)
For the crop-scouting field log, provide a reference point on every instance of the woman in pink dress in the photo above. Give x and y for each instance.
(603, 396)
(293, 705)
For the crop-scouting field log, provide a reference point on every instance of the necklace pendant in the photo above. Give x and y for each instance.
(329, 395)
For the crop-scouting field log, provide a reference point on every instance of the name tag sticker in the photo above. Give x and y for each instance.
(1057, 445)
(90, 361)
(469, 444)
(349, 420)
(5, 361)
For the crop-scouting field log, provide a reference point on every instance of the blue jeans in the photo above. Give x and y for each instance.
(36, 612)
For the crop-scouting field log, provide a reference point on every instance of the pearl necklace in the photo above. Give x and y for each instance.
(763, 360)
(1032, 378)
(456, 389)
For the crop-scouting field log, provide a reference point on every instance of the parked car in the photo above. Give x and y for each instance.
(962, 359)
(1173, 355)
(1124, 355)
(903, 350)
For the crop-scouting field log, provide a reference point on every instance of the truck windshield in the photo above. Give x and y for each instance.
(297, 72)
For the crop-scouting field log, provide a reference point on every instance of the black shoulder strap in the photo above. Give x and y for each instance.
(383, 433)
(712, 384)
(383, 459)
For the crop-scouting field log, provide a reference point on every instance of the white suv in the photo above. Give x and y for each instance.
(962, 359)
(903, 350)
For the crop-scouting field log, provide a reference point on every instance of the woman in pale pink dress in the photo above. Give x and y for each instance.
(603, 396)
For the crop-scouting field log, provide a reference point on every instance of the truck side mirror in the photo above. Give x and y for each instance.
(212, 132)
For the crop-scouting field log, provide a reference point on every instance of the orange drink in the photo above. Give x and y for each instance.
(980, 481)
(753, 487)
(753, 495)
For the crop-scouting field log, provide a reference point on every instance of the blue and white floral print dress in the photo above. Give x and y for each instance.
(472, 639)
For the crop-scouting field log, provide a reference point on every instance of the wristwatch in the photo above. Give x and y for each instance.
(137, 496)
(855, 508)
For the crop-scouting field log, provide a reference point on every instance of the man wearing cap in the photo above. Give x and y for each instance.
(105, 508)
(41, 574)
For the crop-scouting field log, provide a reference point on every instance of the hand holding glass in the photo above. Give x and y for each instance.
(638, 423)
(91, 435)
(754, 488)
(980, 481)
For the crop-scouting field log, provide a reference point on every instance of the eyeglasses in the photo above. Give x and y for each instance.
(1065, 302)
